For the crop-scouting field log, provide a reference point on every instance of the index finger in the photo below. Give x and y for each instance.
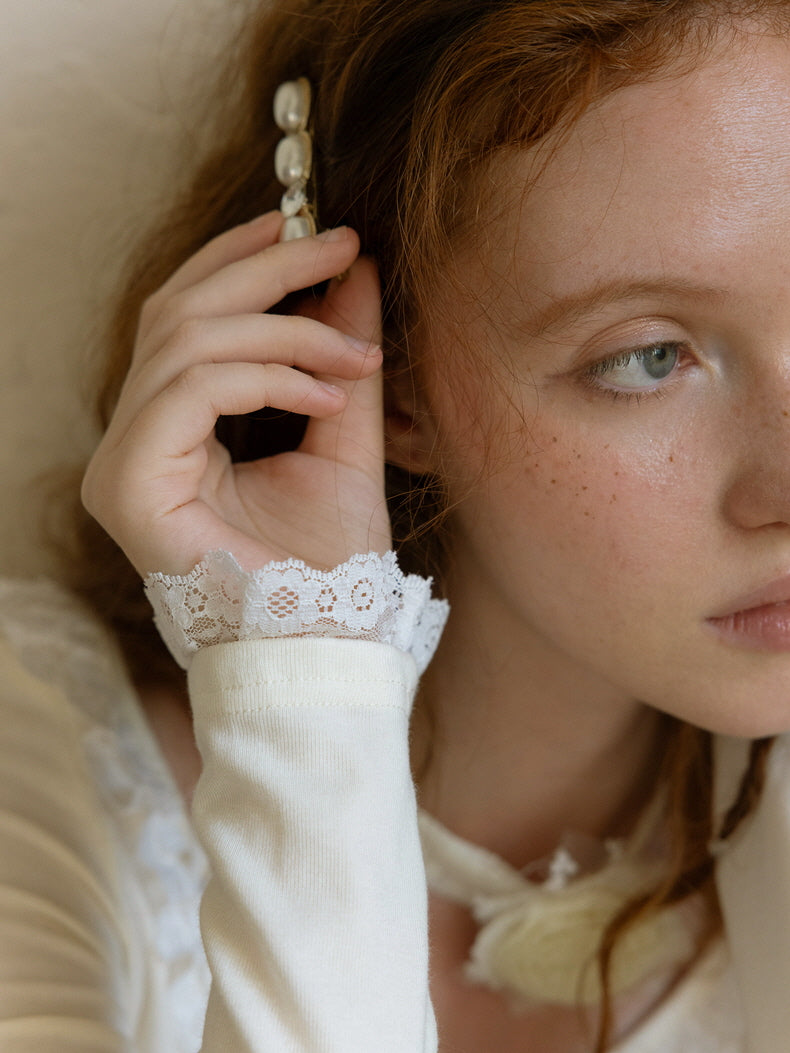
(228, 247)
(250, 285)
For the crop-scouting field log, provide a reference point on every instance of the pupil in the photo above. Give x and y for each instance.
(660, 361)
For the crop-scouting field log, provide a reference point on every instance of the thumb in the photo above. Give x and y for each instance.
(352, 302)
(355, 436)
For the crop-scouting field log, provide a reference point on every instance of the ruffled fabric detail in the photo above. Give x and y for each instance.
(366, 598)
(538, 940)
(172, 867)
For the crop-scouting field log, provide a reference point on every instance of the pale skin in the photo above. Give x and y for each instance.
(590, 560)
(621, 508)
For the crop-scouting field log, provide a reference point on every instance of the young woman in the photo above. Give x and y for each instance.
(550, 294)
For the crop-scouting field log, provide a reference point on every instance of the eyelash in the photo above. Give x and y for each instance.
(591, 374)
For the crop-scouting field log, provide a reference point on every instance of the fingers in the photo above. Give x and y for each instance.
(206, 349)
(163, 454)
(247, 285)
(228, 247)
(218, 318)
(355, 437)
(183, 415)
(286, 340)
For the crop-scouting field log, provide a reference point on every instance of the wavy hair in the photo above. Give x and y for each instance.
(413, 98)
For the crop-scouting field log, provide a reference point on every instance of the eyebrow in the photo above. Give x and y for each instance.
(565, 310)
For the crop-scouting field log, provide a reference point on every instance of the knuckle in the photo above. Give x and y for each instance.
(87, 491)
(171, 314)
(93, 491)
(190, 380)
(150, 310)
(188, 337)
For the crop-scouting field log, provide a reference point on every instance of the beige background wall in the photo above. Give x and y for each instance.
(99, 105)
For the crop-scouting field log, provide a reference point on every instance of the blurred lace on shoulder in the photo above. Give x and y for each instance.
(366, 598)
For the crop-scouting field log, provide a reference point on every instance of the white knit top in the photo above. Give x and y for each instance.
(303, 847)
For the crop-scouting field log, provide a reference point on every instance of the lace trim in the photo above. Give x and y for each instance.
(366, 598)
(170, 865)
(62, 643)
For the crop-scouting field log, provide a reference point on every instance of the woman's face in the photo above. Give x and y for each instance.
(633, 435)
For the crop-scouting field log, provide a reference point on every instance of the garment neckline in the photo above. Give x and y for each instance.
(523, 942)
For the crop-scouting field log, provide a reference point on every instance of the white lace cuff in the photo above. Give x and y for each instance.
(367, 598)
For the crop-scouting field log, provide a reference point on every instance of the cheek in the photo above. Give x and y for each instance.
(608, 503)
(610, 516)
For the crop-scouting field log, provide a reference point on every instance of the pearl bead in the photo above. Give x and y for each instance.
(297, 227)
(292, 105)
(293, 157)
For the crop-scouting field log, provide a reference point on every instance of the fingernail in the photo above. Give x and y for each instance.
(337, 392)
(364, 347)
(335, 234)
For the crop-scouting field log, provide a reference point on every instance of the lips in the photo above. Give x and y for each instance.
(758, 620)
(776, 593)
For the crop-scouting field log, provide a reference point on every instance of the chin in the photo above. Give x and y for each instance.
(746, 714)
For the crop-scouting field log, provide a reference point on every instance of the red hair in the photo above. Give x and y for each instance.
(413, 99)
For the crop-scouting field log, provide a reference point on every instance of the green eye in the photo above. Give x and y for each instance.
(640, 370)
(658, 362)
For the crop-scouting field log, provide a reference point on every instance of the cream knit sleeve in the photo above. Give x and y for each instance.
(314, 920)
(302, 681)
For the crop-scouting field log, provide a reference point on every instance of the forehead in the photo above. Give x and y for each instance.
(678, 176)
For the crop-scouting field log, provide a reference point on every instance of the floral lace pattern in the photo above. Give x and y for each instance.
(170, 864)
(60, 642)
(366, 598)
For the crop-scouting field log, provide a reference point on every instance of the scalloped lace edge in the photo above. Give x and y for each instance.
(366, 598)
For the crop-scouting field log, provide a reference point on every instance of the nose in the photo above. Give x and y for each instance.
(758, 493)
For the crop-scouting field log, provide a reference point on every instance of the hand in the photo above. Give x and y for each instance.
(161, 483)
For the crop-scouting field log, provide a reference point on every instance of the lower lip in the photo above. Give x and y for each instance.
(759, 629)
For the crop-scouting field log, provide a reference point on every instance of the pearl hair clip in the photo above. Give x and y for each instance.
(293, 158)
